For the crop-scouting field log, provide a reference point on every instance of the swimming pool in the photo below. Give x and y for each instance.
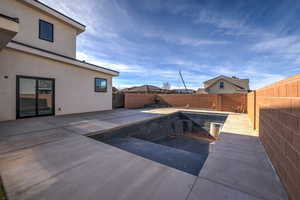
(179, 140)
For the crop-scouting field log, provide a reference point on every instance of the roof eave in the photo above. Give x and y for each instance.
(55, 13)
(61, 58)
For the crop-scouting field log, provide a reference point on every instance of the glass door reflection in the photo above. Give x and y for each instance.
(35, 96)
(27, 97)
(45, 97)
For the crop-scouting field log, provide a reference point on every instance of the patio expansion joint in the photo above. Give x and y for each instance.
(233, 188)
(38, 144)
(29, 147)
(54, 175)
(65, 126)
(193, 185)
(271, 164)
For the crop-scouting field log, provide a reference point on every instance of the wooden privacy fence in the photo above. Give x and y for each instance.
(221, 102)
(275, 113)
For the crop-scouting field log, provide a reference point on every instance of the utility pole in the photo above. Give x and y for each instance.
(182, 79)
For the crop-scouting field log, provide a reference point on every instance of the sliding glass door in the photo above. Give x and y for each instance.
(35, 96)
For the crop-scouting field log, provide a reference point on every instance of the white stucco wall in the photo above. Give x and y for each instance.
(74, 86)
(64, 34)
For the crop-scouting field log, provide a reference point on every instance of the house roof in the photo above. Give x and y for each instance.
(143, 88)
(201, 91)
(240, 83)
(55, 13)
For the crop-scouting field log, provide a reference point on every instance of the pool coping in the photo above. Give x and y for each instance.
(180, 110)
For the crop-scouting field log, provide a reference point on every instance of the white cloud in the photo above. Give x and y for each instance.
(224, 70)
(276, 44)
(182, 40)
(97, 15)
(287, 47)
(108, 64)
(206, 16)
(264, 80)
(258, 78)
(228, 26)
(198, 42)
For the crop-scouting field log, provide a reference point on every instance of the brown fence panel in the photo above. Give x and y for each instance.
(191, 100)
(251, 104)
(118, 100)
(221, 102)
(134, 100)
(276, 114)
(234, 102)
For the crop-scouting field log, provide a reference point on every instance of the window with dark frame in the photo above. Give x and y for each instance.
(100, 85)
(221, 85)
(46, 31)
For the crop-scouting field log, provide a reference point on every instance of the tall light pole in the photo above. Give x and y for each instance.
(182, 79)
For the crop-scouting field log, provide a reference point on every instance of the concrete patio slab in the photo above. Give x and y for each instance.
(12, 128)
(243, 176)
(259, 159)
(239, 143)
(238, 162)
(206, 189)
(22, 141)
(49, 158)
(109, 179)
(81, 168)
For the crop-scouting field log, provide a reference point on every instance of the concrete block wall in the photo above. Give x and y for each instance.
(276, 116)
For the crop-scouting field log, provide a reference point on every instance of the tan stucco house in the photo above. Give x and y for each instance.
(39, 72)
(225, 85)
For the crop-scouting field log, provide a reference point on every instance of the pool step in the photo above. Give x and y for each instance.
(186, 161)
(187, 143)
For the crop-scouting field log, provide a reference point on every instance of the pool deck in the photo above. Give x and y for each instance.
(51, 158)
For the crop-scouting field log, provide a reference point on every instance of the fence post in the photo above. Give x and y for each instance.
(219, 102)
(254, 107)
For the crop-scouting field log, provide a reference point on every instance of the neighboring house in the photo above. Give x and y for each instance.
(115, 90)
(39, 72)
(155, 89)
(144, 89)
(201, 91)
(183, 91)
(225, 85)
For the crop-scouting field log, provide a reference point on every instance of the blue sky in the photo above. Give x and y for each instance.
(149, 41)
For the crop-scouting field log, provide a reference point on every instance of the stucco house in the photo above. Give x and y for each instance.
(39, 72)
(225, 85)
(183, 91)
